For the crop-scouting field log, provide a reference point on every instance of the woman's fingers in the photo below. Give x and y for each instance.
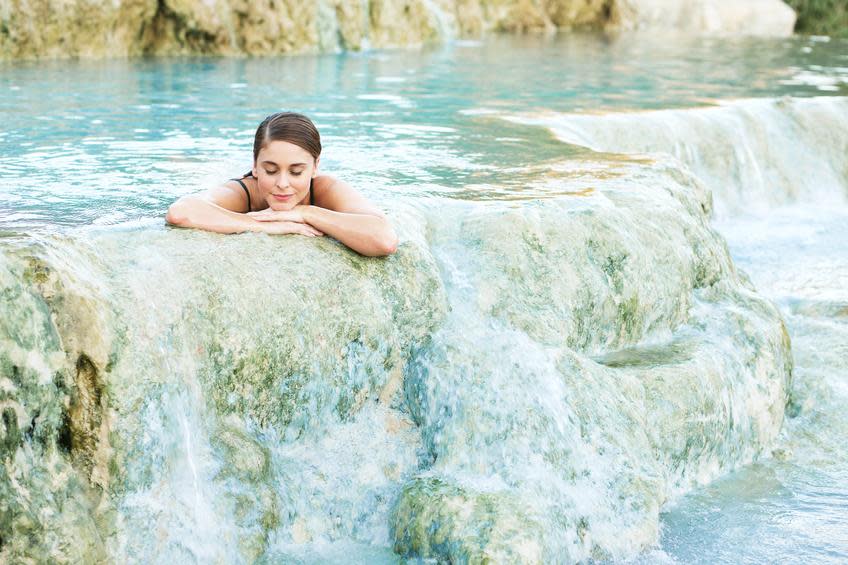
(288, 226)
(310, 231)
(276, 216)
(302, 229)
(262, 216)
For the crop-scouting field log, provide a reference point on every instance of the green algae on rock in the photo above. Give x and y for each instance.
(296, 338)
(443, 519)
(52, 423)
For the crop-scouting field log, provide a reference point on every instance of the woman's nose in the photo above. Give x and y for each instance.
(283, 181)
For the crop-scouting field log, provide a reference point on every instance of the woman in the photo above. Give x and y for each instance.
(284, 194)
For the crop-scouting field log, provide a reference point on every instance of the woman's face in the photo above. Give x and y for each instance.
(283, 172)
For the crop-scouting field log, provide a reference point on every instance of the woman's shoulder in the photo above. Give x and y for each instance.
(336, 194)
(322, 189)
(233, 194)
(323, 182)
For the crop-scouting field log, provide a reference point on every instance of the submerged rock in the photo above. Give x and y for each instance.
(467, 527)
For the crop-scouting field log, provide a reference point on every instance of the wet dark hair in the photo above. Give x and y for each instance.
(288, 126)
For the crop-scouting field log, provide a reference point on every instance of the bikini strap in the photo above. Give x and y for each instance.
(247, 192)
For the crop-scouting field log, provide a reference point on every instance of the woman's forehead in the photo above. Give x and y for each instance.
(284, 154)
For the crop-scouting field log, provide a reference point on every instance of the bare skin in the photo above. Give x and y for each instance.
(279, 194)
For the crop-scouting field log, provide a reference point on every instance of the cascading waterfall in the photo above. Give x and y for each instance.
(751, 153)
(550, 372)
(778, 172)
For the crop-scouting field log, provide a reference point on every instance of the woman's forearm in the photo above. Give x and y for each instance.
(196, 212)
(364, 233)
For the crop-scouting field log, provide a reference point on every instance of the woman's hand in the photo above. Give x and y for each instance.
(284, 221)
(269, 215)
(277, 227)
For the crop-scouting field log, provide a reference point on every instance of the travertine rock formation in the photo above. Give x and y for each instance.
(121, 28)
(752, 17)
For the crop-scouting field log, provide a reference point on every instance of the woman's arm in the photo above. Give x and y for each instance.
(213, 211)
(367, 234)
(345, 215)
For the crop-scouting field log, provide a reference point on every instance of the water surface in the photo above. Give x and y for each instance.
(113, 141)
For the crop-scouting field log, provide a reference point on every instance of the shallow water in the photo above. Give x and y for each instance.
(791, 507)
(112, 143)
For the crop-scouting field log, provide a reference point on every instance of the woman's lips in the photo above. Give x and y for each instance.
(282, 197)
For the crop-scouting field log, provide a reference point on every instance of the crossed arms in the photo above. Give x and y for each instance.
(340, 212)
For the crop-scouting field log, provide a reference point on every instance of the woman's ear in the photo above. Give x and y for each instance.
(315, 169)
(253, 171)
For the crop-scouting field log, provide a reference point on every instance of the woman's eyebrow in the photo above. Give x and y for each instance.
(272, 163)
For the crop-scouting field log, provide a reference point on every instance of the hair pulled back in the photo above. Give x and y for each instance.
(288, 126)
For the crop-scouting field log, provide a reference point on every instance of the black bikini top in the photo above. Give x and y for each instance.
(247, 192)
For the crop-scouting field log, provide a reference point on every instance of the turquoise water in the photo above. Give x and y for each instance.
(113, 141)
(93, 146)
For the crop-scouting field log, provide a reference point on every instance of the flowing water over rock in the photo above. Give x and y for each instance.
(562, 347)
